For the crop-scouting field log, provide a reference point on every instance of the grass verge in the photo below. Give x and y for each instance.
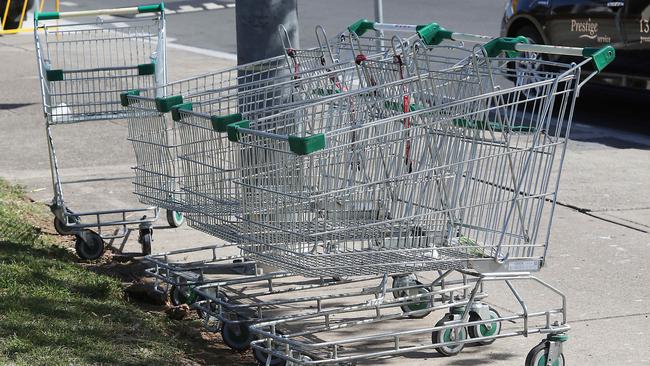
(54, 311)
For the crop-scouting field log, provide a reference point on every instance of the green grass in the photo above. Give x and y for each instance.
(54, 311)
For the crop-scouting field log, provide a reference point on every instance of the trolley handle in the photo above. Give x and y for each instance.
(300, 145)
(50, 15)
(433, 34)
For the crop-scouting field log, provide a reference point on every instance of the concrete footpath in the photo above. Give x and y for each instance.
(599, 251)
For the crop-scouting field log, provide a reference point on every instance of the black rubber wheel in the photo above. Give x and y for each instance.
(261, 356)
(61, 228)
(146, 243)
(480, 331)
(179, 295)
(447, 336)
(175, 218)
(213, 307)
(89, 245)
(237, 336)
(537, 356)
(525, 71)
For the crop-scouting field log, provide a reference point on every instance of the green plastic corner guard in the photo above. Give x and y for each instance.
(124, 100)
(306, 145)
(433, 34)
(507, 44)
(233, 134)
(147, 69)
(220, 123)
(176, 114)
(54, 75)
(47, 15)
(165, 104)
(601, 57)
(153, 8)
(361, 26)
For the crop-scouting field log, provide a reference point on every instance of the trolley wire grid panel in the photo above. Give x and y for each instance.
(83, 68)
(460, 184)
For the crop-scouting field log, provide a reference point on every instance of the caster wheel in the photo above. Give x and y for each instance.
(481, 331)
(175, 218)
(145, 240)
(537, 356)
(180, 294)
(261, 358)
(89, 245)
(448, 335)
(61, 228)
(237, 336)
(210, 322)
(413, 305)
(416, 305)
(301, 358)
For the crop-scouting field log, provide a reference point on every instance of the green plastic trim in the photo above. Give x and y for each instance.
(54, 75)
(220, 123)
(176, 115)
(124, 100)
(306, 145)
(165, 104)
(233, 134)
(48, 15)
(432, 34)
(147, 69)
(558, 337)
(361, 26)
(153, 8)
(601, 57)
(507, 44)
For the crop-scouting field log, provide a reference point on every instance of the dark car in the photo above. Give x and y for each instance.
(13, 13)
(624, 24)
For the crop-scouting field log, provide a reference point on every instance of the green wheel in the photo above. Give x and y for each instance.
(537, 356)
(449, 335)
(175, 218)
(482, 331)
(416, 305)
(181, 294)
(237, 336)
(89, 245)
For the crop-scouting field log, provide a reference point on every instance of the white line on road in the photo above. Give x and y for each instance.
(204, 51)
(213, 6)
(188, 9)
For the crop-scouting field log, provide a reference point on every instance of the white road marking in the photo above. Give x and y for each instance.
(67, 3)
(204, 51)
(188, 9)
(212, 6)
(230, 5)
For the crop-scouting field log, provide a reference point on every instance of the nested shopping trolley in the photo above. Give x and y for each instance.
(83, 68)
(464, 184)
(264, 85)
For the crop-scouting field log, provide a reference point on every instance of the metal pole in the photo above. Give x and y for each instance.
(379, 18)
(257, 24)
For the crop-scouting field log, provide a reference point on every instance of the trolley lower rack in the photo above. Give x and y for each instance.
(358, 335)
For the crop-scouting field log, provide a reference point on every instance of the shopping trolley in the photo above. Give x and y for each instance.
(467, 184)
(83, 68)
(151, 129)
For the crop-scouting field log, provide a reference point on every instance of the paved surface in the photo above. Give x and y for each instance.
(600, 244)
